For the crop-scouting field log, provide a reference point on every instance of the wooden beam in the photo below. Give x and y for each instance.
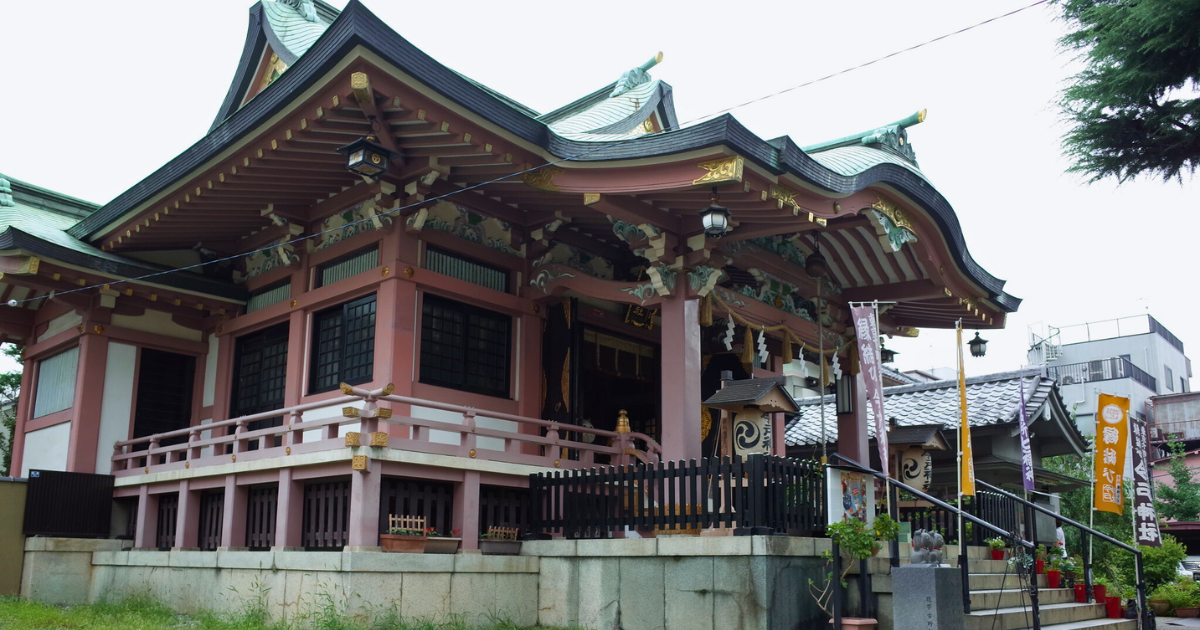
(633, 211)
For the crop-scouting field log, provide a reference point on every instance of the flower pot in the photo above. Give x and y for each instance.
(1040, 565)
(395, 543)
(1113, 606)
(1098, 593)
(1187, 612)
(499, 547)
(856, 623)
(1054, 579)
(442, 545)
(1160, 607)
(1080, 593)
(997, 554)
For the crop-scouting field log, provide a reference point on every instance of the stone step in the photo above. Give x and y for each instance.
(1012, 598)
(1017, 618)
(998, 581)
(951, 551)
(1093, 624)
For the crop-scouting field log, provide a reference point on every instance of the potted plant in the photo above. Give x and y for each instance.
(855, 542)
(997, 544)
(403, 540)
(499, 541)
(1183, 596)
(1099, 589)
(436, 543)
(1039, 561)
(1054, 574)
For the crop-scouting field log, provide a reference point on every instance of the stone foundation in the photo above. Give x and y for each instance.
(668, 583)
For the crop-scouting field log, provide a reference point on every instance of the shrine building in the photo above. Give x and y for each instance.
(379, 287)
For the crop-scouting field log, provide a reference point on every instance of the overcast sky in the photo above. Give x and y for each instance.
(96, 96)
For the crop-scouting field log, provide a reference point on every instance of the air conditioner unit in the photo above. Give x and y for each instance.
(1068, 380)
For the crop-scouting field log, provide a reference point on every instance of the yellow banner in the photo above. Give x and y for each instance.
(1112, 433)
(967, 473)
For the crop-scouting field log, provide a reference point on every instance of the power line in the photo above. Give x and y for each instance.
(680, 127)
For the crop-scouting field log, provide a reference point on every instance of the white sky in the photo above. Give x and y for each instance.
(96, 96)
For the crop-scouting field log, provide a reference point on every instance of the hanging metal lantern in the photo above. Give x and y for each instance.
(978, 345)
(715, 218)
(367, 157)
(815, 265)
(885, 355)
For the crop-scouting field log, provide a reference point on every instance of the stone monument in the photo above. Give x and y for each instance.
(927, 595)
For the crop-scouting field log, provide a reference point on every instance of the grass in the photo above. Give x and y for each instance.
(142, 613)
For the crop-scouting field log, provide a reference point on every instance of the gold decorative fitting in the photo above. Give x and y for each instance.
(590, 198)
(722, 171)
(472, 453)
(383, 414)
(622, 422)
(187, 464)
(785, 195)
(542, 178)
(358, 462)
(387, 391)
(557, 463)
(346, 389)
(385, 271)
(220, 329)
(379, 438)
(408, 272)
(894, 213)
(353, 439)
(293, 302)
(287, 451)
(147, 470)
(536, 309)
(98, 329)
(350, 412)
(234, 458)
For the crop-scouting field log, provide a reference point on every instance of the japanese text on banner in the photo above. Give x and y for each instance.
(1145, 518)
(1112, 432)
(1026, 450)
(872, 372)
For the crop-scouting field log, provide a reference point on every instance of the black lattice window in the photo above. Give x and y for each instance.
(343, 345)
(326, 515)
(212, 512)
(464, 347)
(168, 510)
(261, 504)
(260, 373)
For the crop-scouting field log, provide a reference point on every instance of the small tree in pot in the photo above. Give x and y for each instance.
(855, 542)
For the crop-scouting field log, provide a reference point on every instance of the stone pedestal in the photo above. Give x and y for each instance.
(926, 597)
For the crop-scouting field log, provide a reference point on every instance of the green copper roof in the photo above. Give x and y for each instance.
(294, 31)
(852, 160)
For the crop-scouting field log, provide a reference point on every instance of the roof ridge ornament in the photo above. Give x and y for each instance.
(636, 76)
(893, 136)
(305, 8)
(6, 198)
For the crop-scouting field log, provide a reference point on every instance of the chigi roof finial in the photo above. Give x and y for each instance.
(636, 76)
(306, 8)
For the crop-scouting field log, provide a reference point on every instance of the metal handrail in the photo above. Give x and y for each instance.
(1137, 554)
(963, 562)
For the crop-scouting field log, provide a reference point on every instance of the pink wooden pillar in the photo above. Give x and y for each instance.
(187, 520)
(89, 394)
(680, 378)
(24, 404)
(233, 518)
(466, 510)
(395, 341)
(529, 365)
(778, 435)
(147, 520)
(364, 508)
(289, 513)
(852, 427)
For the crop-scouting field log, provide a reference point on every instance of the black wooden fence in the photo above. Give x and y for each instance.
(991, 507)
(760, 494)
(68, 504)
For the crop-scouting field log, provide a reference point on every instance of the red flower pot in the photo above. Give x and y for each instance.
(1041, 566)
(1098, 593)
(1081, 593)
(1113, 605)
(1053, 579)
(997, 554)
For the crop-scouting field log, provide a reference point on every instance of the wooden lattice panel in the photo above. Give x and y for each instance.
(411, 523)
(502, 533)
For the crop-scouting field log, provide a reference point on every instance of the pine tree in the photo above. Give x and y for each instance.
(10, 387)
(1180, 502)
(1134, 108)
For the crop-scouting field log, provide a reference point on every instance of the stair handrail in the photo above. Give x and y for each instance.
(963, 562)
(1087, 574)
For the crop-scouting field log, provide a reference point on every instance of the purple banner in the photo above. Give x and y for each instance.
(1145, 518)
(1026, 453)
(868, 358)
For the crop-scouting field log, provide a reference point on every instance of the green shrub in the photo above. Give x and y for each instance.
(1160, 565)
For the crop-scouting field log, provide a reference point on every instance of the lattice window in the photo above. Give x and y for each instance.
(56, 383)
(503, 507)
(346, 266)
(260, 373)
(326, 515)
(212, 511)
(343, 347)
(168, 510)
(268, 296)
(261, 504)
(430, 500)
(465, 347)
(471, 271)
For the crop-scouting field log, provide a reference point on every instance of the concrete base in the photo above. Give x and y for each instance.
(927, 597)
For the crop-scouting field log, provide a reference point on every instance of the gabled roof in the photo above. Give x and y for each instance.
(991, 400)
(357, 26)
(748, 390)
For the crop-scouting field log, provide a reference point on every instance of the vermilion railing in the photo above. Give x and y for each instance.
(555, 444)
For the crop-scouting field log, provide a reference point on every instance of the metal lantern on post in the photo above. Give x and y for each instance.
(978, 345)
(885, 355)
(715, 218)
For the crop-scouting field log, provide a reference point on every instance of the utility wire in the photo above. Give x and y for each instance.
(413, 206)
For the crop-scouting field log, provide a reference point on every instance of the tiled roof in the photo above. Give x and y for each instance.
(747, 390)
(919, 434)
(850, 161)
(991, 399)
